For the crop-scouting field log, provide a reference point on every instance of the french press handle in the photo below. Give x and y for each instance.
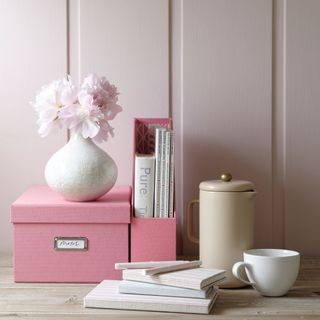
(191, 237)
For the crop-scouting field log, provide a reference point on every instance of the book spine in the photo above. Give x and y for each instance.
(135, 287)
(163, 173)
(158, 153)
(167, 147)
(189, 283)
(171, 178)
(144, 185)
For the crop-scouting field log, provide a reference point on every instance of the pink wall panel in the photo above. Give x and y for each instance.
(128, 43)
(226, 111)
(33, 52)
(302, 144)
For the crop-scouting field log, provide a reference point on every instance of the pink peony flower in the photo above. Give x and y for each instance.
(50, 100)
(104, 94)
(84, 117)
(105, 97)
(86, 111)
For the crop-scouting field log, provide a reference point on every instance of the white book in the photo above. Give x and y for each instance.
(135, 287)
(198, 278)
(147, 264)
(158, 155)
(163, 173)
(106, 295)
(167, 146)
(171, 176)
(144, 185)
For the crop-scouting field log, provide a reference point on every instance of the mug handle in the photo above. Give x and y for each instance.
(191, 237)
(236, 271)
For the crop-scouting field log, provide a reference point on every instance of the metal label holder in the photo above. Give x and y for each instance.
(70, 243)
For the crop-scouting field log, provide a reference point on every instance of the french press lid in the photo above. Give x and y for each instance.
(226, 184)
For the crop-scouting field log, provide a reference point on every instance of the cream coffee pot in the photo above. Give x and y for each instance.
(226, 209)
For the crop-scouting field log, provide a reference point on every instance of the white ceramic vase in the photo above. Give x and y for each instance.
(81, 171)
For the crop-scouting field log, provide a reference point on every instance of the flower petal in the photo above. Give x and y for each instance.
(112, 112)
(89, 129)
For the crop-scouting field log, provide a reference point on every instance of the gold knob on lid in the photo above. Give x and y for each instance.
(226, 177)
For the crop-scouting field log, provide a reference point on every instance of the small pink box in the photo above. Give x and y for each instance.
(152, 239)
(61, 241)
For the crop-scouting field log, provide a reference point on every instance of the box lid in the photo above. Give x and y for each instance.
(40, 204)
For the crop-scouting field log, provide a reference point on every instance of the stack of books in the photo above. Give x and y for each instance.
(154, 176)
(190, 290)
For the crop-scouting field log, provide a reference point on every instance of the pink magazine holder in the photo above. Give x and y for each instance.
(152, 239)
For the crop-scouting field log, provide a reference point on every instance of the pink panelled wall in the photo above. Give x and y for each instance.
(239, 79)
(32, 52)
(227, 105)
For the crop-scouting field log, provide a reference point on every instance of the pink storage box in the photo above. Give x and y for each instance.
(152, 239)
(62, 241)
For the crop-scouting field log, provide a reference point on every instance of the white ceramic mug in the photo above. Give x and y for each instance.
(271, 272)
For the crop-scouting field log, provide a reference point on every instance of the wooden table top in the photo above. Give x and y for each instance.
(64, 301)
